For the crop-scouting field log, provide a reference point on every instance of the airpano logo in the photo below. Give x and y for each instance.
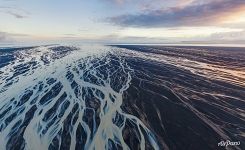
(228, 143)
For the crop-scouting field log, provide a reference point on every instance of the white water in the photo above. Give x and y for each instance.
(87, 89)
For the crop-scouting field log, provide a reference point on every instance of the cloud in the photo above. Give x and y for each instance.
(236, 35)
(15, 12)
(237, 25)
(6, 37)
(117, 39)
(19, 16)
(232, 37)
(2, 36)
(194, 14)
(120, 2)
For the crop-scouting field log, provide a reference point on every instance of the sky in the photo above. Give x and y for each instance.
(122, 21)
